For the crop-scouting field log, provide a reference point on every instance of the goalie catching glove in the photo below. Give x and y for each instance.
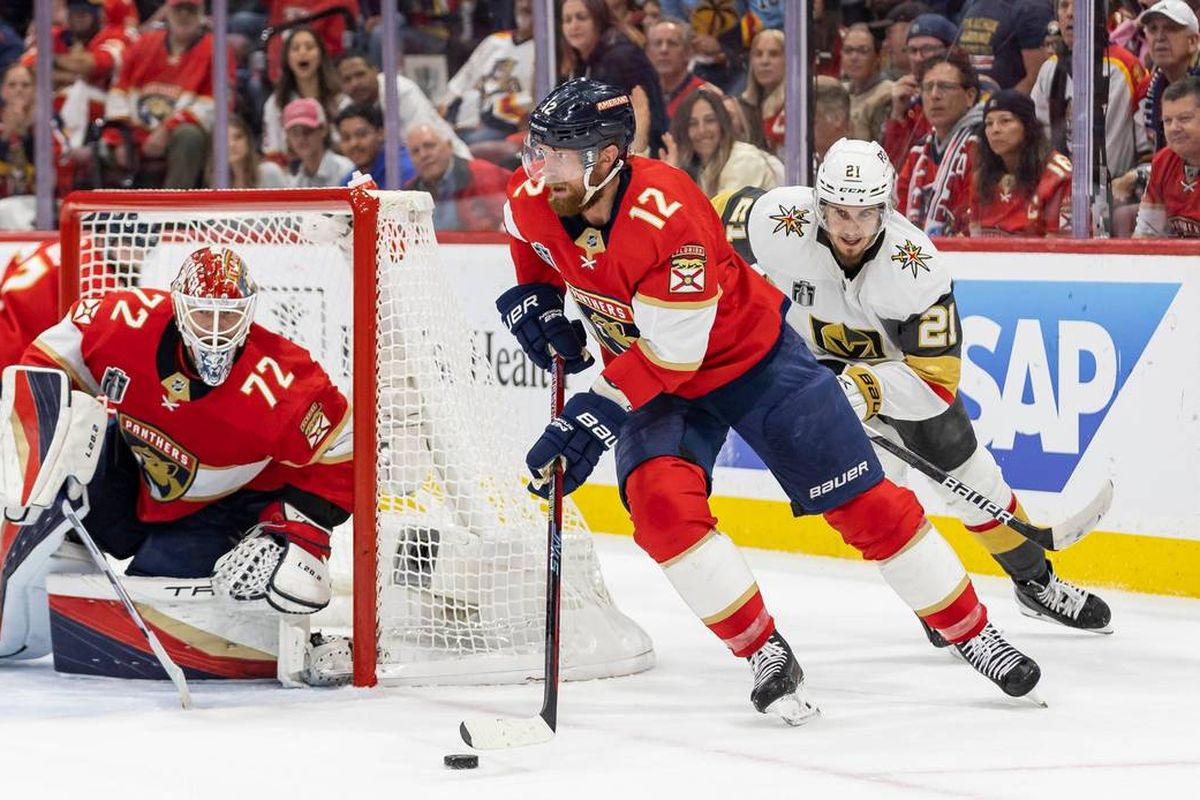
(588, 426)
(863, 390)
(282, 561)
(48, 433)
(533, 312)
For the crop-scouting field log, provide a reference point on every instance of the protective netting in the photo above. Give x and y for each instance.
(461, 543)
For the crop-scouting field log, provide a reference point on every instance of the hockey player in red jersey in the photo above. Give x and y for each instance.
(229, 453)
(28, 298)
(694, 344)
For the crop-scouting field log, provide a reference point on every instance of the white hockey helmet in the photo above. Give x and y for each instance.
(855, 173)
(214, 301)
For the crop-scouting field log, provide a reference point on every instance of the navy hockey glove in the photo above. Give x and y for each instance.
(588, 426)
(534, 314)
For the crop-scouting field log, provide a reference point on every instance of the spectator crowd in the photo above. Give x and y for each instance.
(971, 99)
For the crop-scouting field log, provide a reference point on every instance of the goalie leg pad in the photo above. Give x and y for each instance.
(25, 560)
(47, 434)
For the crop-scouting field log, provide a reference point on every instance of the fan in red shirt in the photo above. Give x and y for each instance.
(1171, 203)
(164, 94)
(88, 54)
(1020, 187)
(694, 345)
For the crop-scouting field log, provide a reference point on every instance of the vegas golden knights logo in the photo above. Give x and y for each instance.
(167, 468)
(851, 343)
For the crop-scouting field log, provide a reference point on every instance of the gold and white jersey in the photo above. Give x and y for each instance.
(895, 313)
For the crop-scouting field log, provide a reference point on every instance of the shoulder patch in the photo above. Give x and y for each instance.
(687, 269)
(910, 257)
(315, 425)
(790, 220)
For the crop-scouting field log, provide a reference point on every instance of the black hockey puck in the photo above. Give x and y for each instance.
(461, 761)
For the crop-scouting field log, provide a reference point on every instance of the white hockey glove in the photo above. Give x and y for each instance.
(863, 390)
(47, 434)
(282, 562)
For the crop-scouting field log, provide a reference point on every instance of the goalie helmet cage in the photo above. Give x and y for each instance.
(447, 578)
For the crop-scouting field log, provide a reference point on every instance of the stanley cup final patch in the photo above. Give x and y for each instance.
(687, 270)
(113, 384)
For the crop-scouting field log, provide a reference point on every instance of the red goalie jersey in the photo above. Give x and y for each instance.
(674, 307)
(276, 421)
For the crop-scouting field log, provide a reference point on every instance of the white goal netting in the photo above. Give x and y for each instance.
(461, 545)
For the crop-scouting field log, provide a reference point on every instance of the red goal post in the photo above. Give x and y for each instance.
(446, 582)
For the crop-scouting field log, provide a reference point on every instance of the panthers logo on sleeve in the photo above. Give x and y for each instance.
(610, 320)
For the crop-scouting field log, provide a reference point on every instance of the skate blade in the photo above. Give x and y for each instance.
(1033, 698)
(1032, 614)
(793, 709)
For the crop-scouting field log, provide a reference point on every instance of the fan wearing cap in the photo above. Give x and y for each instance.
(929, 37)
(88, 53)
(307, 133)
(1173, 35)
(1020, 186)
(1170, 206)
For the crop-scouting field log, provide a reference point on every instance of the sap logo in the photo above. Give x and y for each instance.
(1043, 363)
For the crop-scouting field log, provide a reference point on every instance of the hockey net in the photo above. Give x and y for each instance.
(444, 573)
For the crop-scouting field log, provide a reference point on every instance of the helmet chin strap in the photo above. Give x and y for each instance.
(589, 191)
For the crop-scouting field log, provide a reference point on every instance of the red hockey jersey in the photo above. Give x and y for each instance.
(277, 420)
(1012, 211)
(28, 298)
(1171, 203)
(673, 306)
(157, 87)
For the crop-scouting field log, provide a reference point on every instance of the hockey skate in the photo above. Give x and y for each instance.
(779, 683)
(1004, 665)
(1056, 600)
(328, 661)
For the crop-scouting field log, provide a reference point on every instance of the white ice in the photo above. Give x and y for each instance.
(900, 719)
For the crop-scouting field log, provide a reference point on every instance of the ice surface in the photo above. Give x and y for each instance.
(900, 719)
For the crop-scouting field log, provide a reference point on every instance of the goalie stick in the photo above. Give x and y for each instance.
(1053, 537)
(495, 734)
(170, 667)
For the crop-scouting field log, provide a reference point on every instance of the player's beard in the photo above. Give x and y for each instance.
(571, 202)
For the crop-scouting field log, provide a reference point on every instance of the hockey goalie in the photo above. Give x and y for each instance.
(193, 442)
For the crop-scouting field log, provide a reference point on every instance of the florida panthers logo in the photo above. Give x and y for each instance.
(687, 270)
(611, 321)
(167, 468)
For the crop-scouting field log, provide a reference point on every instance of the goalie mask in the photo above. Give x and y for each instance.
(571, 126)
(214, 300)
(854, 178)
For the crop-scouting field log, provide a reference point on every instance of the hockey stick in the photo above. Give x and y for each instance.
(494, 734)
(170, 667)
(1053, 537)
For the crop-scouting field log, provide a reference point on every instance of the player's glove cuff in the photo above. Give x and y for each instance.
(863, 390)
(587, 428)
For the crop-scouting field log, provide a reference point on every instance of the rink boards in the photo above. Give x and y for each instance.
(1080, 364)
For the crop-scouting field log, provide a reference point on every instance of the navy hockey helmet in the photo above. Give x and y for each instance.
(581, 115)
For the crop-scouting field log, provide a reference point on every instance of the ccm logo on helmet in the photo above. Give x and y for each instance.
(612, 102)
(856, 471)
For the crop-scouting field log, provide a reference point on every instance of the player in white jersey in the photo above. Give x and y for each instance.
(874, 301)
